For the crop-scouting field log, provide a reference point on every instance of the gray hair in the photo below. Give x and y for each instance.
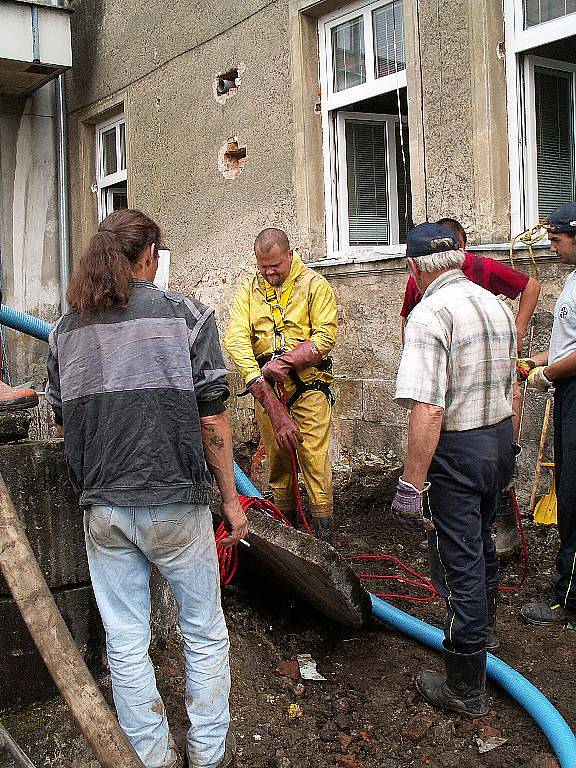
(434, 262)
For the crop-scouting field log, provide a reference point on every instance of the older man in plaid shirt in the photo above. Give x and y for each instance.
(456, 377)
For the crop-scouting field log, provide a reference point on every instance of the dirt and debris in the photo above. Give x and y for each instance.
(367, 714)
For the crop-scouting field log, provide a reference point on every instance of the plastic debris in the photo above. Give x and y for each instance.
(492, 742)
(308, 669)
(294, 711)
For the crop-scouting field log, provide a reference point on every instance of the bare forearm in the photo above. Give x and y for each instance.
(561, 369)
(423, 435)
(526, 307)
(217, 441)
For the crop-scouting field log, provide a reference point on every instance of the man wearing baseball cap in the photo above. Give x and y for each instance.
(556, 367)
(456, 376)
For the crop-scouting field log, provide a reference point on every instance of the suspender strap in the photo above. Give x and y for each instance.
(278, 306)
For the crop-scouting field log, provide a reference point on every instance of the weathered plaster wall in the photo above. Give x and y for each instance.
(175, 126)
(29, 221)
(457, 115)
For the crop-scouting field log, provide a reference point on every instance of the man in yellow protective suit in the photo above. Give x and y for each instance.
(283, 325)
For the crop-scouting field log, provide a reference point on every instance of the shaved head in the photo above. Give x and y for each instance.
(270, 237)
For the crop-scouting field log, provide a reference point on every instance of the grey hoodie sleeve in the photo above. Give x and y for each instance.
(208, 368)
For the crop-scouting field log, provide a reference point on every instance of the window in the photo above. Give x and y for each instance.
(111, 166)
(540, 11)
(554, 114)
(365, 135)
(541, 87)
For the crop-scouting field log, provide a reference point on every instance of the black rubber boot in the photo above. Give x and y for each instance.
(507, 534)
(463, 689)
(492, 641)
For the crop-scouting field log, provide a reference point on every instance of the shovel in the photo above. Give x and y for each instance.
(545, 510)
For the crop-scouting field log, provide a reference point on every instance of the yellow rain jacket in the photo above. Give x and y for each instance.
(310, 313)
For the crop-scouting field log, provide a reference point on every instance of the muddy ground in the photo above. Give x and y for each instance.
(367, 713)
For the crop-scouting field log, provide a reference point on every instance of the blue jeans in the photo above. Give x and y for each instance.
(122, 543)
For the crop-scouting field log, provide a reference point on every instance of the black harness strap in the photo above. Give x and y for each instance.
(314, 386)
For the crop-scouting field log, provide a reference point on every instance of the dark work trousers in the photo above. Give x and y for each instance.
(467, 473)
(565, 475)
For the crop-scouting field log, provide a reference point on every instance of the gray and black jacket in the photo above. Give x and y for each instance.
(129, 386)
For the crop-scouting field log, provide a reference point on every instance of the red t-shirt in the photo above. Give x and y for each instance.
(496, 277)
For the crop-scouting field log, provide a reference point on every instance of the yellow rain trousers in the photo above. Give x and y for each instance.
(310, 313)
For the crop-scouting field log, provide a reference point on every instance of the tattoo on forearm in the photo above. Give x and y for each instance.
(213, 439)
(216, 441)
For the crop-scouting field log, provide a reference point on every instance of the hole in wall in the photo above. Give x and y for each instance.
(227, 83)
(231, 158)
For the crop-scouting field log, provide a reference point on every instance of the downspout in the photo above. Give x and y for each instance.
(63, 221)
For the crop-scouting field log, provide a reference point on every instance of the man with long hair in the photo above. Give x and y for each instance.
(137, 382)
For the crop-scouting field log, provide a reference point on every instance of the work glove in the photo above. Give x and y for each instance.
(537, 380)
(304, 355)
(285, 430)
(407, 507)
(523, 367)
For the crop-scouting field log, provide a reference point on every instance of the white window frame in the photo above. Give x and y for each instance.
(519, 88)
(342, 180)
(531, 158)
(333, 145)
(103, 181)
(539, 34)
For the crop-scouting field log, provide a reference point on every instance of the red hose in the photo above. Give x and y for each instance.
(228, 558)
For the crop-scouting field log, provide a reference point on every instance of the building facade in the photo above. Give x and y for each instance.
(341, 123)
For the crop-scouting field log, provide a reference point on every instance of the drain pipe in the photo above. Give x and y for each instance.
(63, 221)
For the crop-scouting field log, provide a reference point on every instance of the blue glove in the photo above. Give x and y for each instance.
(407, 507)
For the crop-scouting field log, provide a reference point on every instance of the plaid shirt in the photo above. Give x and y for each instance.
(459, 354)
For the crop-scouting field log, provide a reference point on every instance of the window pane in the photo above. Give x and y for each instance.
(348, 54)
(367, 174)
(554, 139)
(109, 164)
(123, 146)
(388, 25)
(539, 11)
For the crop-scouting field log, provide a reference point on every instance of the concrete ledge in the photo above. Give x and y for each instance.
(24, 678)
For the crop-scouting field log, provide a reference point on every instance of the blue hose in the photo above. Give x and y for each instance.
(245, 486)
(551, 722)
(21, 321)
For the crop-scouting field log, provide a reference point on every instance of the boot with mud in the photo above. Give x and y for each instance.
(507, 535)
(14, 399)
(228, 759)
(462, 689)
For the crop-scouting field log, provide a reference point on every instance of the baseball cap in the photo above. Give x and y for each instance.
(563, 219)
(428, 238)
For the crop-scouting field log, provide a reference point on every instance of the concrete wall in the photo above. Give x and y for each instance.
(457, 115)
(29, 221)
